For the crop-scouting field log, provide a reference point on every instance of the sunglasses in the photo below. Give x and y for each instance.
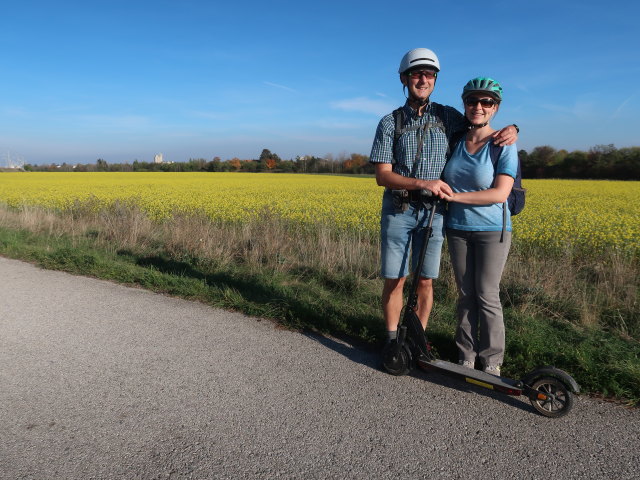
(429, 74)
(484, 102)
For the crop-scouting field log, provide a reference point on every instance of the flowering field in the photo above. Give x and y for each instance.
(594, 214)
(588, 214)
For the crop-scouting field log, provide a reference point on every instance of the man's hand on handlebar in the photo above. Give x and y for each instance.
(437, 187)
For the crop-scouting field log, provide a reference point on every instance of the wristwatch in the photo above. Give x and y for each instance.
(517, 129)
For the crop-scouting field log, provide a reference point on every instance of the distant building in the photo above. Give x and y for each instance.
(157, 158)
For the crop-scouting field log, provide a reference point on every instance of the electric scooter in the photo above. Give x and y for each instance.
(549, 389)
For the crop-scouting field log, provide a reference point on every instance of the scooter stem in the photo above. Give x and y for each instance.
(427, 196)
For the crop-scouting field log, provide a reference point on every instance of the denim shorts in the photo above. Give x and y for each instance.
(401, 233)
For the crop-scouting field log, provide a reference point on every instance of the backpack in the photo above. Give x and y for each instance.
(398, 119)
(516, 199)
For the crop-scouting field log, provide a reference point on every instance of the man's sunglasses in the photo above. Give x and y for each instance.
(429, 74)
(484, 102)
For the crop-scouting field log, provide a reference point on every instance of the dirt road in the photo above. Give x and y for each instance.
(98, 380)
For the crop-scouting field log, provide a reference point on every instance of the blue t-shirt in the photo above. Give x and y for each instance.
(465, 172)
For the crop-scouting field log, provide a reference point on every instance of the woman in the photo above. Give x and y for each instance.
(479, 226)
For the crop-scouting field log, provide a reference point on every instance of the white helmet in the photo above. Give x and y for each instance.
(419, 57)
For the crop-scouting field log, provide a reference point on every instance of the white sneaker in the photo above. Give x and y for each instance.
(466, 363)
(493, 370)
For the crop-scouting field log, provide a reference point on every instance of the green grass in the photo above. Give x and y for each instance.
(338, 303)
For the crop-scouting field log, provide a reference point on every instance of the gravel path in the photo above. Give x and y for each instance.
(98, 380)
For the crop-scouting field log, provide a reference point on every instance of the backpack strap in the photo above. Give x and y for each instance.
(517, 183)
(453, 141)
(494, 153)
(453, 136)
(438, 112)
(399, 129)
(451, 146)
(398, 121)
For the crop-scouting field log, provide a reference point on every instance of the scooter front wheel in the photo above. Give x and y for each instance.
(551, 397)
(396, 359)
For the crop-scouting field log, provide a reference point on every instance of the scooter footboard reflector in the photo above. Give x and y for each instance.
(478, 382)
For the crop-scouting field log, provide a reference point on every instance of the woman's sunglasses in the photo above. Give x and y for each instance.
(484, 102)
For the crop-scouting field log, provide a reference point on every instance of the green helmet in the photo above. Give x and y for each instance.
(483, 84)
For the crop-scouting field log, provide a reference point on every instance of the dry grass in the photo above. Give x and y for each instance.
(584, 291)
(268, 242)
(590, 292)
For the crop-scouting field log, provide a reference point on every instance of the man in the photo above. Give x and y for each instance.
(413, 161)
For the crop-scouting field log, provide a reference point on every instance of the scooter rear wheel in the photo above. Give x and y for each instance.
(396, 359)
(551, 397)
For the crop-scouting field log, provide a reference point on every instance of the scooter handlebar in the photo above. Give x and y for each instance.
(428, 198)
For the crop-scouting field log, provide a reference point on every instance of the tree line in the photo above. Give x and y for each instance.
(600, 162)
(353, 163)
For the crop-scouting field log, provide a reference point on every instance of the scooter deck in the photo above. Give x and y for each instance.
(475, 377)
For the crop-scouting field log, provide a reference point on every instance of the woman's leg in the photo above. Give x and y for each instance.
(490, 257)
(463, 262)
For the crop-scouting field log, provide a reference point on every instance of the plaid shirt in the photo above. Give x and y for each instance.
(435, 141)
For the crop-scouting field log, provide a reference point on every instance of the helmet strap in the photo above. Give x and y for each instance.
(419, 103)
(412, 100)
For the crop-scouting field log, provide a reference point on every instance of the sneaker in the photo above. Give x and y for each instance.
(493, 370)
(467, 363)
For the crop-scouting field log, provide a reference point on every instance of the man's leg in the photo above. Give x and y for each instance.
(395, 230)
(392, 302)
(425, 300)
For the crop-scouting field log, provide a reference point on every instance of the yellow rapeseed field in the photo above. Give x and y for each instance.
(587, 214)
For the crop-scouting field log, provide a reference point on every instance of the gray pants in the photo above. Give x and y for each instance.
(478, 259)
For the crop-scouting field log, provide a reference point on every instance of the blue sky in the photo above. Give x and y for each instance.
(124, 80)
